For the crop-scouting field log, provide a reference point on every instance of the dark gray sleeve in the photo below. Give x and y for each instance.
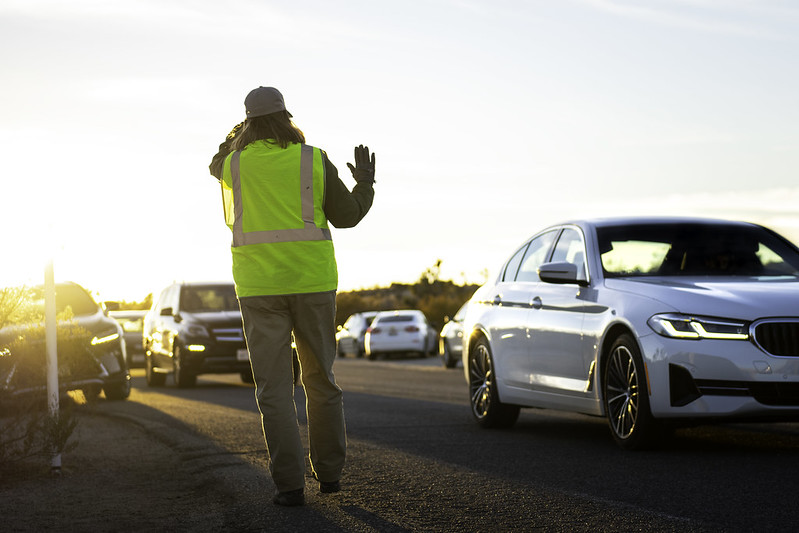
(219, 159)
(344, 209)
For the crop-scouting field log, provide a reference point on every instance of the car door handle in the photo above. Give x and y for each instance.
(537, 303)
(497, 299)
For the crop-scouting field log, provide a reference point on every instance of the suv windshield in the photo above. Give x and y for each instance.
(208, 298)
(695, 249)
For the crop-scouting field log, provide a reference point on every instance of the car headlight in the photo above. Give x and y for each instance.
(105, 337)
(195, 330)
(681, 326)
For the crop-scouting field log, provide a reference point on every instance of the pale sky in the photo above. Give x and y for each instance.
(490, 120)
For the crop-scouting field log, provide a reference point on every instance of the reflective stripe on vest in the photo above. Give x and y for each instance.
(308, 233)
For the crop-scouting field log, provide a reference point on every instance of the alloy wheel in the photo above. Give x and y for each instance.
(480, 381)
(623, 400)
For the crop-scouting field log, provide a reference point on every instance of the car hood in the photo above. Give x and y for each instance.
(95, 324)
(217, 318)
(743, 298)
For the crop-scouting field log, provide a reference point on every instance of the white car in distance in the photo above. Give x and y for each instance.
(403, 331)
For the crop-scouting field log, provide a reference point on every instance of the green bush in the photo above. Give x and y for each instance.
(27, 428)
(437, 300)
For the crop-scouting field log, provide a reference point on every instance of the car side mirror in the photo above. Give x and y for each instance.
(166, 311)
(560, 272)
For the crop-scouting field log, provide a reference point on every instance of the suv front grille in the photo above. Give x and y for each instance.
(228, 334)
(780, 338)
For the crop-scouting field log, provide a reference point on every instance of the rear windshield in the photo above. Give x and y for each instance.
(208, 298)
(695, 250)
(396, 318)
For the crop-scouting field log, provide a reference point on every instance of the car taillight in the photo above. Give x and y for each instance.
(373, 330)
(411, 329)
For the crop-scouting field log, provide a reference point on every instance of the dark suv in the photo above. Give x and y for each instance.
(194, 328)
(90, 346)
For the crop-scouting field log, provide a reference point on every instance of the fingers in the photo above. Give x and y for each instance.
(362, 156)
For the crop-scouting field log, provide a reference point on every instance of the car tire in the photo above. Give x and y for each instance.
(154, 379)
(183, 376)
(448, 359)
(626, 398)
(487, 409)
(91, 393)
(117, 391)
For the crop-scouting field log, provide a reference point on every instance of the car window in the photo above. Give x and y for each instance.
(695, 249)
(512, 267)
(161, 303)
(535, 256)
(208, 298)
(570, 248)
(635, 257)
(396, 318)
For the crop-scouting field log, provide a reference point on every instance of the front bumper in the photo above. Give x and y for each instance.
(718, 378)
(206, 356)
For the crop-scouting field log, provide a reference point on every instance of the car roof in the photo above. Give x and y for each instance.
(637, 220)
(400, 312)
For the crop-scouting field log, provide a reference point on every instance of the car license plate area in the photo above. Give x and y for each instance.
(392, 331)
(242, 355)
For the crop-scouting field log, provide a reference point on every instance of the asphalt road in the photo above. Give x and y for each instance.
(418, 462)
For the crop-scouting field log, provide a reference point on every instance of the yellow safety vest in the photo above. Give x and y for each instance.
(273, 201)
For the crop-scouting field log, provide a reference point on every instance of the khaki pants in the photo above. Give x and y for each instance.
(268, 324)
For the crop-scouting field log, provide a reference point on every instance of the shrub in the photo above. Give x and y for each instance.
(27, 428)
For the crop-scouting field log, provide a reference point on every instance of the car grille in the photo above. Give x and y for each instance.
(780, 338)
(228, 334)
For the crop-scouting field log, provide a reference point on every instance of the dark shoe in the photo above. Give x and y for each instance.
(290, 498)
(328, 487)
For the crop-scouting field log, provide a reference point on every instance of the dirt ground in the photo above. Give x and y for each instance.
(116, 479)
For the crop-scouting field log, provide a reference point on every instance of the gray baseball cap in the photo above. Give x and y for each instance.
(264, 101)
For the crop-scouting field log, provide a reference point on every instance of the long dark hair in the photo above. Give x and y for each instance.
(275, 126)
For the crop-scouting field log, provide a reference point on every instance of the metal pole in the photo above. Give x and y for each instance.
(51, 344)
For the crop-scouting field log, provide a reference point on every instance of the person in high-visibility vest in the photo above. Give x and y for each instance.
(279, 195)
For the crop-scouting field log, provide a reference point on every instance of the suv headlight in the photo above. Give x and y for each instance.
(105, 337)
(679, 326)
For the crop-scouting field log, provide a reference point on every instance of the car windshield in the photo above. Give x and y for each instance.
(695, 249)
(208, 298)
(67, 296)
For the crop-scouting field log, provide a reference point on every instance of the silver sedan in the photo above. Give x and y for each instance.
(648, 322)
